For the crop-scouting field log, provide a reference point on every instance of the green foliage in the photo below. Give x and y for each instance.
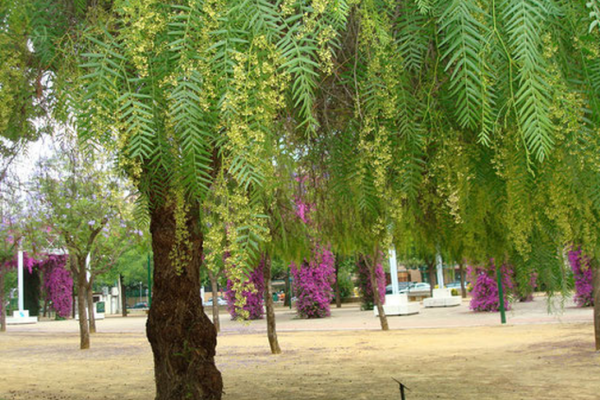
(82, 207)
(463, 127)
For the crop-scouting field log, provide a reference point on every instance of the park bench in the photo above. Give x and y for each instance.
(398, 304)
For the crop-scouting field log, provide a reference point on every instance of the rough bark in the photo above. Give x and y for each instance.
(2, 308)
(123, 296)
(376, 297)
(215, 296)
(463, 289)
(90, 305)
(182, 337)
(596, 295)
(84, 333)
(271, 326)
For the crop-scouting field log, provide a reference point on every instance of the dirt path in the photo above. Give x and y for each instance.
(509, 362)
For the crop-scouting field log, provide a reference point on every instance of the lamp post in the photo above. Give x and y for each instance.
(140, 291)
(150, 283)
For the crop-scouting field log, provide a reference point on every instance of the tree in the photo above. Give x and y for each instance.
(197, 94)
(85, 208)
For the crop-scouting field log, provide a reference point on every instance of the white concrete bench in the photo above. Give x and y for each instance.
(21, 317)
(398, 304)
(442, 298)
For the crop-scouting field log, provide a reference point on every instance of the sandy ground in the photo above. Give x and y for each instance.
(535, 356)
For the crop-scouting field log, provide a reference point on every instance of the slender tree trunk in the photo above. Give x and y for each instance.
(596, 295)
(74, 303)
(84, 333)
(2, 308)
(432, 277)
(90, 305)
(182, 337)
(215, 296)
(338, 295)
(45, 312)
(288, 289)
(463, 289)
(376, 296)
(123, 296)
(271, 326)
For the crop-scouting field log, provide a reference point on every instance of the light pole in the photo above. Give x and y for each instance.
(149, 283)
(140, 291)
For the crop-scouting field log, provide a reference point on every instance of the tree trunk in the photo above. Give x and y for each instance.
(45, 311)
(123, 296)
(596, 295)
(182, 337)
(375, 287)
(338, 295)
(215, 296)
(90, 304)
(463, 289)
(288, 289)
(2, 308)
(74, 305)
(432, 277)
(271, 327)
(84, 333)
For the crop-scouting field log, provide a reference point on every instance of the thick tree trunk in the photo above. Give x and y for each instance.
(596, 295)
(287, 299)
(215, 297)
(84, 333)
(271, 326)
(123, 296)
(463, 289)
(376, 296)
(90, 305)
(2, 308)
(182, 337)
(338, 295)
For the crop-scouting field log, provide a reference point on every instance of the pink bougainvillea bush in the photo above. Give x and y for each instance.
(313, 282)
(485, 287)
(57, 280)
(365, 286)
(58, 284)
(583, 278)
(254, 298)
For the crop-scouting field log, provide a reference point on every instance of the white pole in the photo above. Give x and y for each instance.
(440, 271)
(393, 270)
(20, 280)
(120, 299)
(88, 272)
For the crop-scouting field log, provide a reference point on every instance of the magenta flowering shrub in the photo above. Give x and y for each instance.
(485, 287)
(313, 282)
(254, 298)
(302, 210)
(583, 278)
(28, 262)
(57, 280)
(365, 286)
(58, 284)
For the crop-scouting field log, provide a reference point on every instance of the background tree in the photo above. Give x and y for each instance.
(83, 205)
